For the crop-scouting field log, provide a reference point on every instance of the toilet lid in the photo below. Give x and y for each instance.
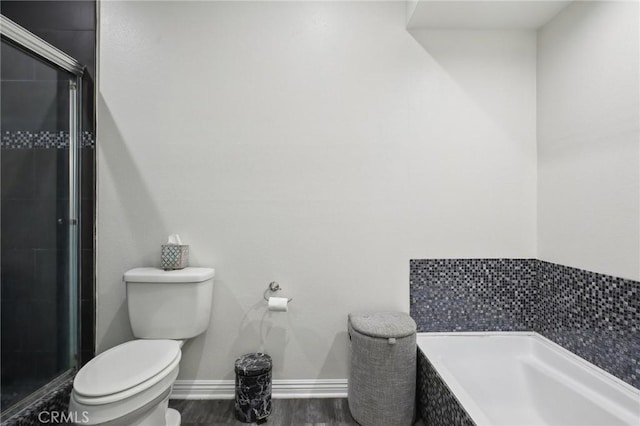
(125, 366)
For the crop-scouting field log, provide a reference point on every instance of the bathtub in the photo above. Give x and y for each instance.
(513, 379)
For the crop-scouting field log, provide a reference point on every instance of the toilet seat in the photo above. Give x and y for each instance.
(125, 370)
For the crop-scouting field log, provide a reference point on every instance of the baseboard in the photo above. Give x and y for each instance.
(203, 389)
(318, 388)
(225, 389)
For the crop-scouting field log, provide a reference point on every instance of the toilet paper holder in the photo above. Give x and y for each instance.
(273, 287)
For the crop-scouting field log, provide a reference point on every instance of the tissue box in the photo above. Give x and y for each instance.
(174, 256)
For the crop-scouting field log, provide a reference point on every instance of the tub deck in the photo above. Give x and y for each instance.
(518, 379)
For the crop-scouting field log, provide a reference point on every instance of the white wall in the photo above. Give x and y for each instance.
(589, 138)
(317, 144)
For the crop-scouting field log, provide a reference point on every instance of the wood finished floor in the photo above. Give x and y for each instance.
(295, 412)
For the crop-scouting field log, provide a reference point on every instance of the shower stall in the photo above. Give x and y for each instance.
(40, 215)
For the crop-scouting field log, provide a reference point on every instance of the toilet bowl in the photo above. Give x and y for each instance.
(126, 382)
(130, 384)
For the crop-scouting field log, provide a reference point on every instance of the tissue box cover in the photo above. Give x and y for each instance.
(174, 256)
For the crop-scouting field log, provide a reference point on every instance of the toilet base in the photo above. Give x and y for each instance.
(160, 414)
(173, 417)
(154, 413)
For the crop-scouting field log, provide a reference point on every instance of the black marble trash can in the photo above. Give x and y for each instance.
(253, 387)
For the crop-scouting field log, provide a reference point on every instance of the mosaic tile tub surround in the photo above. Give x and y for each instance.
(593, 315)
(473, 294)
(436, 404)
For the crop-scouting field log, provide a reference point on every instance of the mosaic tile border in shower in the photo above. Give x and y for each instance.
(56, 400)
(437, 405)
(593, 315)
(25, 139)
(473, 294)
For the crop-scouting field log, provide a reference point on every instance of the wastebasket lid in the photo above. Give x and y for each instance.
(253, 364)
(383, 324)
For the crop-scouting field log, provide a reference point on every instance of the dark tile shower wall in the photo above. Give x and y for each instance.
(34, 156)
(593, 315)
(71, 27)
(34, 193)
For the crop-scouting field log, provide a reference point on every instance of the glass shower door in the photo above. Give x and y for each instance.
(38, 271)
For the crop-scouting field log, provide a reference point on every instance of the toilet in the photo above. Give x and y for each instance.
(130, 384)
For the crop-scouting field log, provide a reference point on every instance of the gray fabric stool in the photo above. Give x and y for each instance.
(382, 377)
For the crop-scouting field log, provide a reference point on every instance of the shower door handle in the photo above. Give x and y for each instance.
(62, 221)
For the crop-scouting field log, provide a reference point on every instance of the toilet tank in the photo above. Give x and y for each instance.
(169, 304)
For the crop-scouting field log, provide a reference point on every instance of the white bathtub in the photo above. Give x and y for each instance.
(512, 378)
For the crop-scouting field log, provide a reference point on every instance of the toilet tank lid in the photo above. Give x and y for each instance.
(156, 275)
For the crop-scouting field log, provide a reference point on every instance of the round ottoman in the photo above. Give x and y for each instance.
(382, 376)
